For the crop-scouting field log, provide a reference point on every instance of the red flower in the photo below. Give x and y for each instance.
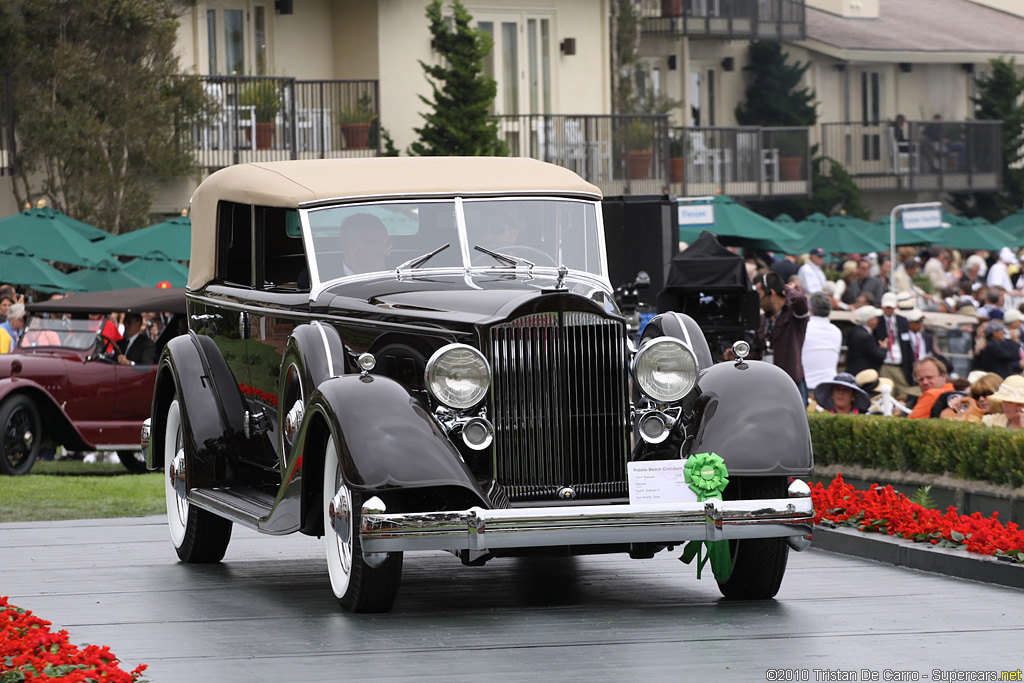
(883, 510)
(29, 648)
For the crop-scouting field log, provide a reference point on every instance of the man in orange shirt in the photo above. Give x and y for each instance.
(930, 375)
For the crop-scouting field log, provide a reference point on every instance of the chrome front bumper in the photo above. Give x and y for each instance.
(477, 529)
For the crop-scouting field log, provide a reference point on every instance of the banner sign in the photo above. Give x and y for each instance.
(696, 214)
(922, 219)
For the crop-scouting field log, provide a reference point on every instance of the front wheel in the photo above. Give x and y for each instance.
(758, 564)
(358, 586)
(198, 536)
(19, 443)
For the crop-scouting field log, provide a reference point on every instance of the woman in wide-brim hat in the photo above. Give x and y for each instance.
(841, 395)
(1011, 394)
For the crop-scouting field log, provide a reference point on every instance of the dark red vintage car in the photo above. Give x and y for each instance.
(63, 386)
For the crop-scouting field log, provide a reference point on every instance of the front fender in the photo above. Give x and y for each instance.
(56, 425)
(212, 407)
(752, 416)
(385, 438)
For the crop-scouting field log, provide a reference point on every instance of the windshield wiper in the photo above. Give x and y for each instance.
(420, 260)
(507, 258)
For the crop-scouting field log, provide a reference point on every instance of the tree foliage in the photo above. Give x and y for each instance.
(998, 99)
(98, 96)
(831, 193)
(773, 96)
(460, 122)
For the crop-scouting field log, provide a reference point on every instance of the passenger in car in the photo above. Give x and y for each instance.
(365, 243)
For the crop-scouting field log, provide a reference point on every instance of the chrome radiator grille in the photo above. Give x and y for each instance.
(560, 405)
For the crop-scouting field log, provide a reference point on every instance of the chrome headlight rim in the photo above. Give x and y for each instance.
(641, 375)
(434, 366)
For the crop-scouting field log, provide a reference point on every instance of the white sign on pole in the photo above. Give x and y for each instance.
(922, 219)
(696, 214)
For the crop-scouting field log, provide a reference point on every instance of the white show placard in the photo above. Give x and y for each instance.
(658, 482)
(696, 214)
(922, 219)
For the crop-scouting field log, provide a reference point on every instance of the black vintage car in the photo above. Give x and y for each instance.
(402, 354)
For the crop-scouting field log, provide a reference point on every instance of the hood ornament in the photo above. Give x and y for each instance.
(562, 272)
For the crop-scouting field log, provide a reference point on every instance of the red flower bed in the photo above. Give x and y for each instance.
(885, 511)
(30, 652)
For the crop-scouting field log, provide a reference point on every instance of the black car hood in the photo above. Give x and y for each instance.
(457, 298)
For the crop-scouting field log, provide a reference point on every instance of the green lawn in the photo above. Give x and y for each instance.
(77, 490)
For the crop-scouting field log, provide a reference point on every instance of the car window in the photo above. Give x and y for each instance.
(366, 238)
(280, 256)
(60, 332)
(377, 237)
(234, 235)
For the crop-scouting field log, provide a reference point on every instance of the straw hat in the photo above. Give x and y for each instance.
(1013, 316)
(913, 315)
(867, 379)
(823, 392)
(1011, 390)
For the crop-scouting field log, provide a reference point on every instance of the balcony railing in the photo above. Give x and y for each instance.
(638, 154)
(741, 162)
(271, 119)
(6, 124)
(944, 156)
(621, 154)
(764, 19)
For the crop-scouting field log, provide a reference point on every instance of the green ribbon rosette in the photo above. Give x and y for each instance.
(708, 476)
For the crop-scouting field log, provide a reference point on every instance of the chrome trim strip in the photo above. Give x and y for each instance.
(493, 194)
(479, 529)
(117, 447)
(327, 347)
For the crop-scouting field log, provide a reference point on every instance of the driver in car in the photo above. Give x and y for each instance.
(136, 348)
(365, 242)
(498, 236)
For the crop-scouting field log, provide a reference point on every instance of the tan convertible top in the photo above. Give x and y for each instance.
(294, 183)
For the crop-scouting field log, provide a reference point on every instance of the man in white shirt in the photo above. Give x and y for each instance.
(822, 341)
(811, 275)
(998, 275)
(937, 269)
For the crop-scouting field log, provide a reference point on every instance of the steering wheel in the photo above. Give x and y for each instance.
(538, 257)
(106, 348)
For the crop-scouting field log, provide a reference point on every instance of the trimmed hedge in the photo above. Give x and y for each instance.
(963, 450)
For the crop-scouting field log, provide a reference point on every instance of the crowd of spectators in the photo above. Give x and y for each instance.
(895, 349)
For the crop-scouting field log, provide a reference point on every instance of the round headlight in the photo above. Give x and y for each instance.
(458, 376)
(665, 369)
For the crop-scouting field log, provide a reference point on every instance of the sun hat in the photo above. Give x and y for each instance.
(865, 313)
(1006, 255)
(904, 300)
(913, 315)
(974, 375)
(868, 380)
(1011, 390)
(823, 392)
(889, 300)
(1013, 316)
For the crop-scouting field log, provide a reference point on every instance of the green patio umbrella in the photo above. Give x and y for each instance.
(1013, 223)
(172, 237)
(46, 234)
(155, 267)
(17, 267)
(104, 276)
(833, 235)
(736, 225)
(974, 234)
(89, 232)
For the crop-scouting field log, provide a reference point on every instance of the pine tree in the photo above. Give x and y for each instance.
(997, 100)
(460, 122)
(773, 98)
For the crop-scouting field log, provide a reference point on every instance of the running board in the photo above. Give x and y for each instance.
(249, 507)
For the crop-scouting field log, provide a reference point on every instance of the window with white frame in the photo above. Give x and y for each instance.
(237, 38)
(521, 60)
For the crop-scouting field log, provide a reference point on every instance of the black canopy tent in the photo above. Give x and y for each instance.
(710, 284)
(131, 300)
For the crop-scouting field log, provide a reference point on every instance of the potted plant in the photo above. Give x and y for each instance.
(264, 96)
(356, 121)
(638, 140)
(675, 159)
(792, 152)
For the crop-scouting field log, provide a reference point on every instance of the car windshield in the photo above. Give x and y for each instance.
(60, 332)
(375, 237)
